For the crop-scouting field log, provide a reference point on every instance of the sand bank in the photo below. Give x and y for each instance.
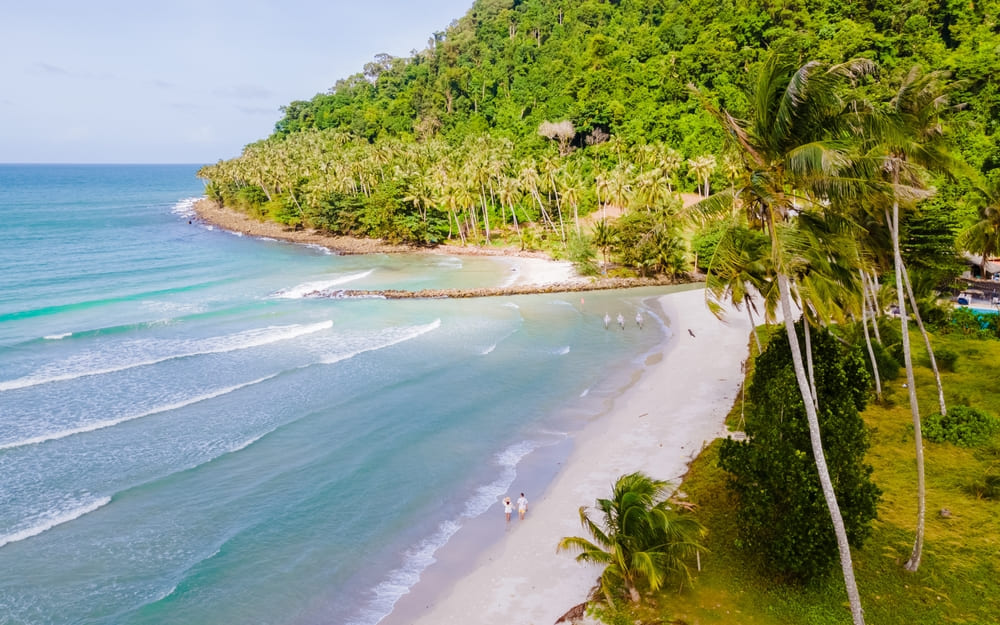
(235, 221)
(658, 426)
(530, 272)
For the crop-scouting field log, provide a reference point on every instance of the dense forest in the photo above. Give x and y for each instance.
(542, 111)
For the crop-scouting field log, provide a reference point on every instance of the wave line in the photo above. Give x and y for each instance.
(100, 425)
(249, 340)
(52, 520)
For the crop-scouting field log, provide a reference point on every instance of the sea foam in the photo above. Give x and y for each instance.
(388, 338)
(103, 363)
(53, 518)
(416, 559)
(185, 208)
(308, 288)
(106, 423)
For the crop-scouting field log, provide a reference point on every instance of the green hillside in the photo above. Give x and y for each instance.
(625, 67)
(542, 111)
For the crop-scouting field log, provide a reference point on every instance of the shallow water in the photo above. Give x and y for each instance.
(186, 438)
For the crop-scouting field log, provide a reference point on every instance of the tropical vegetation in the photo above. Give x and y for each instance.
(540, 113)
(781, 511)
(642, 538)
(955, 583)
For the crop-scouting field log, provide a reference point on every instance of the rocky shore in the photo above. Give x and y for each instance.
(596, 284)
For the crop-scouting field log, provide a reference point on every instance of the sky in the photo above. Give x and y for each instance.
(182, 81)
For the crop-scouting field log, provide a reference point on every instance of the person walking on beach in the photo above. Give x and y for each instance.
(607, 320)
(638, 318)
(621, 321)
(507, 508)
(522, 506)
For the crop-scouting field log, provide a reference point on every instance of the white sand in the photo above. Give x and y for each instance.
(538, 271)
(657, 426)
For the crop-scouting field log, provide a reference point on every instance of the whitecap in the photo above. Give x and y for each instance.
(390, 337)
(185, 208)
(106, 423)
(51, 519)
(307, 289)
(56, 337)
(585, 392)
(99, 364)
(488, 349)
(562, 351)
(319, 248)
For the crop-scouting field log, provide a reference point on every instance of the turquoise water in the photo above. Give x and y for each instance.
(185, 437)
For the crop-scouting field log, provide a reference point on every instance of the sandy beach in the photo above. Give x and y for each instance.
(658, 425)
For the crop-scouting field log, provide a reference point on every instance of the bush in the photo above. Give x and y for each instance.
(969, 322)
(782, 513)
(892, 337)
(583, 255)
(963, 426)
(986, 487)
(946, 359)
(888, 367)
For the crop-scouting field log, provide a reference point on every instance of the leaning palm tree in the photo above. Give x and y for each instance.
(796, 156)
(911, 142)
(641, 539)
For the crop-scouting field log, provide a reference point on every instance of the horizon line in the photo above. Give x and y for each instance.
(2, 163)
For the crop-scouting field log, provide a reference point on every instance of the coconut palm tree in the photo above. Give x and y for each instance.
(701, 168)
(738, 270)
(604, 238)
(641, 539)
(983, 236)
(795, 153)
(911, 142)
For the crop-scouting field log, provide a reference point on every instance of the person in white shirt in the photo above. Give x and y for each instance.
(507, 508)
(522, 506)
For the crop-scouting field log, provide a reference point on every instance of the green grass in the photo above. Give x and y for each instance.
(959, 577)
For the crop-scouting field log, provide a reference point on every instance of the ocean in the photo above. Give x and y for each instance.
(186, 436)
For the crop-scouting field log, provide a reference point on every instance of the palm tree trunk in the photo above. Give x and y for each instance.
(753, 326)
(868, 338)
(876, 312)
(516, 226)
(927, 340)
(809, 357)
(870, 294)
(817, 446)
(918, 544)
(486, 214)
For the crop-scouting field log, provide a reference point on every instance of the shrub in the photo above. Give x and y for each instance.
(583, 255)
(986, 487)
(946, 359)
(969, 322)
(888, 366)
(963, 426)
(782, 513)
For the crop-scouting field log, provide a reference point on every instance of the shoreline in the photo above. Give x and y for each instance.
(657, 424)
(539, 272)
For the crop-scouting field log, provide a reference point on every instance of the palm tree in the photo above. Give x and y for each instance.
(641, 539)
(983, 236)
(569, 188)
(604, 238)
(739, 269)
(787, 149)
(701, 168)
(911, 141)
